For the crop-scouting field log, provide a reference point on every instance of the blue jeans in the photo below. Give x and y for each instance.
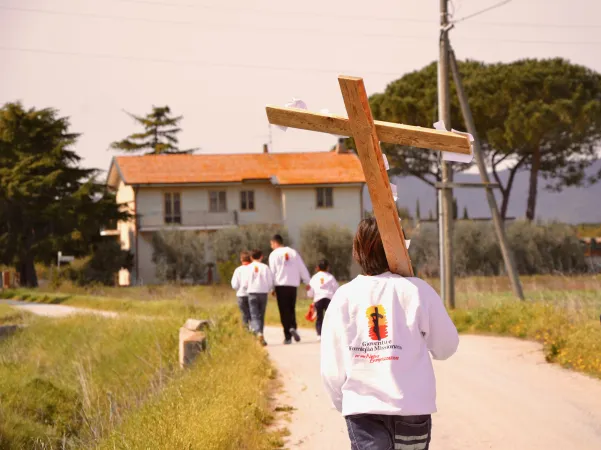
(381, 432)
(244, 310)
(257, 305)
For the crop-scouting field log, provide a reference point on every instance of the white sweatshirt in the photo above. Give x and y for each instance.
(288, 267)
(238, 280)
(259, 279)
(322, 285)
(385, 370)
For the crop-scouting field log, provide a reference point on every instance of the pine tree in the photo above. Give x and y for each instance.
(430, 216)
(418, 214)
(159, 136)
(465, 215)
(455, 209)
(47, 201)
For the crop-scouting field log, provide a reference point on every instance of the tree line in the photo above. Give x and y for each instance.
(50, 203)
(540, 116)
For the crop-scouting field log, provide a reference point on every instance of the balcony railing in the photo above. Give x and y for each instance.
(188, 219)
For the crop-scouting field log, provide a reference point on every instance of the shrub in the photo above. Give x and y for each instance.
(537, 248)
(229, 242)
(542, 249)
(100, 267)
(332, 243)
(179, 255)
(225, 269)
(424, 251)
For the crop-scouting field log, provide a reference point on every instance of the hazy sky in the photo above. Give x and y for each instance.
(219, 62)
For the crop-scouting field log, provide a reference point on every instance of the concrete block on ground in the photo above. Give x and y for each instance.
(197, 325)
(191, 344)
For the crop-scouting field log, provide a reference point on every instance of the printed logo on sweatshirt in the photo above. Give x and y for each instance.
(321, 280)
(286, 257)
(378, 325)
(256, 269)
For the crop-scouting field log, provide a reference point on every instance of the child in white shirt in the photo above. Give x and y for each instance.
(322, 287)
(259, 281)
(377, 337)
(239, 285)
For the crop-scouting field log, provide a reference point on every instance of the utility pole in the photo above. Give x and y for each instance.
(492, 202)
(445, 195)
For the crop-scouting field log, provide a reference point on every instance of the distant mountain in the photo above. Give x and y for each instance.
(572, 205)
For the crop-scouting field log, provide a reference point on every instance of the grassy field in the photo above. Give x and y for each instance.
(88, 382)
(124, 369)
(13, 316)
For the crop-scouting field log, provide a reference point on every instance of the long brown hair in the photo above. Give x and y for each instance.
(368, 249)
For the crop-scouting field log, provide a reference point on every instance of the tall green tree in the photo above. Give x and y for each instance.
(548, 122)
(412, 100)
(47, 201)
(159, 135)
(538, 115)
(418, 214)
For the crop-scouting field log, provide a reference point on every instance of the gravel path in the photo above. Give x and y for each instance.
(48, 310)
(495, 393)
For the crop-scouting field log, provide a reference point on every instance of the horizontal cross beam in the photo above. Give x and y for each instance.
(388, 132)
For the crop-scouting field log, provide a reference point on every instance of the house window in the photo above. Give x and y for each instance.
(325, 197)
(173, 207)
(247, 200)
(217, 201)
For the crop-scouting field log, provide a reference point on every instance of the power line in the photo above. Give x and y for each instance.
(262, 29)
(184, 62)
(223, 65)
(490, 8)
(212, 22)
(338, 16)
(269, 11)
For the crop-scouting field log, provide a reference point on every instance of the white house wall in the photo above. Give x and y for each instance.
(147, 272)
(195, 205)
(301, 209)
(292, 206)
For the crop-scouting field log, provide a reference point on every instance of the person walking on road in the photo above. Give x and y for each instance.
(323, 286)
(239, 285)
(259, 281)
(288, 270)
(378, 334)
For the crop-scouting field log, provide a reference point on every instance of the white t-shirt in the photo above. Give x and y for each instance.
(322, 285)
(375, 341)
(238, 280)
(259, 279)
(288, 267)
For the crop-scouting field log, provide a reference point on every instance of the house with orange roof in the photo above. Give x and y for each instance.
(208, 192)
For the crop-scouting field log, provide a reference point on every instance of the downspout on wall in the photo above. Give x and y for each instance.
(136, 246)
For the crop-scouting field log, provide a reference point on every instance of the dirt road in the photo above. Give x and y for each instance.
(48, 310)
(495, 393)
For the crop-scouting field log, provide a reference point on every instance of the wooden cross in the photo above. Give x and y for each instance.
(368, 134)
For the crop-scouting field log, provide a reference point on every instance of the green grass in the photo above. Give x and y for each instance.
(220, 404)
(87, 381)
(13, 316)
(561, 312)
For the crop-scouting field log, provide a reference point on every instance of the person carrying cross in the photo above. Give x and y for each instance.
(377, 337)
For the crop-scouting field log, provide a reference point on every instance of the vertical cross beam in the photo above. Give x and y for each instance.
(363, 130)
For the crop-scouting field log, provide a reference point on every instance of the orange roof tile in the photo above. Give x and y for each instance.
(287, 168)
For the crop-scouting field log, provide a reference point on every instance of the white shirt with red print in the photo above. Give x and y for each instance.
(239, 280)
(288, 267)
(258, 278)
(376, 341)
(322, 285)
